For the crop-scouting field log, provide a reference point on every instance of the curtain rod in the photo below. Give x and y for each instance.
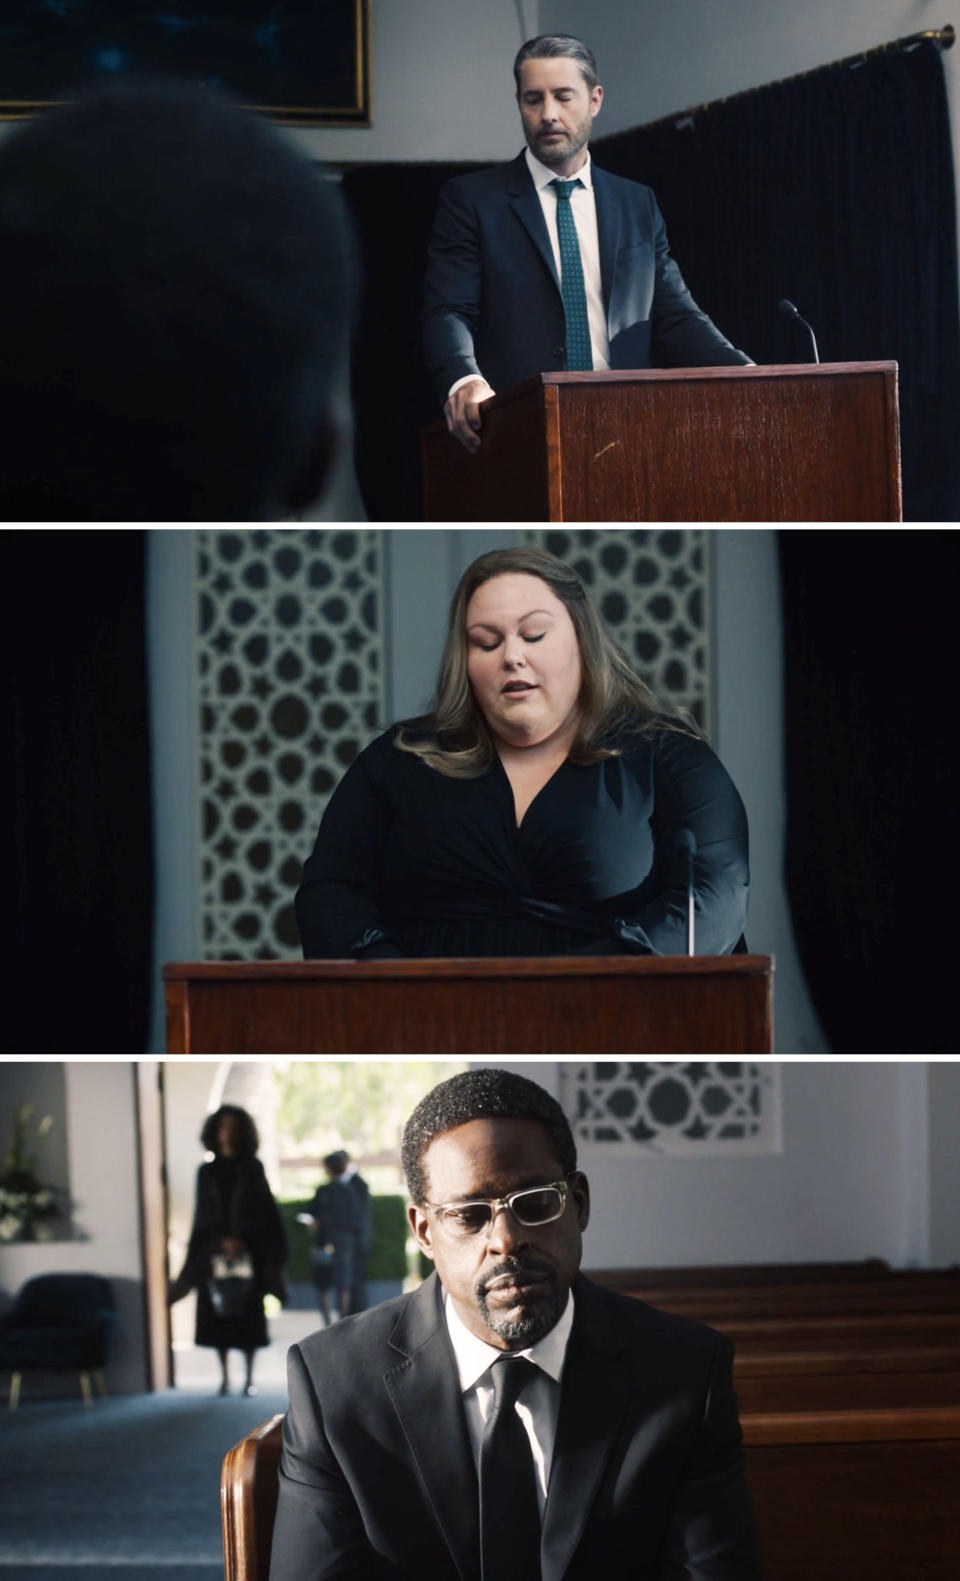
(944, 37)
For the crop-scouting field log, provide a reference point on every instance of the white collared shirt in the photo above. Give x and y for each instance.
(584, 206)
(539, 1403)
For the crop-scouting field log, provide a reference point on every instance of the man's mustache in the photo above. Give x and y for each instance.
(516, 1266)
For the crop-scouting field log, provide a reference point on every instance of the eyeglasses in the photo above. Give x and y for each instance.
(531, 1208)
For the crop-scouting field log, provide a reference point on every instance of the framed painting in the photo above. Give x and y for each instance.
(300, 62)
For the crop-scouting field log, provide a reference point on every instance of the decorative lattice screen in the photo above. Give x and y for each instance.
(651, 585)
(665, 1106)
(290, 677)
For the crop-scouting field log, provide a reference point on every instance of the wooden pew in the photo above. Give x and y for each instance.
(839, 1495)
(808, 1300)
(856, 1495)
(870, 1331)
(248, 1502)
(872, 1337)
(739, 1274)
(895, 1291)
(848, 1379)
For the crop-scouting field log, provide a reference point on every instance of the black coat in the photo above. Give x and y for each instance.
(246, 1209)
(492, 296)
(377, 1480)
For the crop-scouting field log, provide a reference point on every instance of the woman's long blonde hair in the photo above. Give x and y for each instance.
(616, 706)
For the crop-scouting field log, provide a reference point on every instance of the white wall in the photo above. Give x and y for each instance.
(842, 1188)
(944, 1131)
(104, 1184)
(748, 688)
(171, 664)
(442, 84)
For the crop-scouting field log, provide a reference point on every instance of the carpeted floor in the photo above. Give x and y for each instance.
(127, 1488)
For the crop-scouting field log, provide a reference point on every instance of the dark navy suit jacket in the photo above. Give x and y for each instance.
(377, 1479)
(492, 296)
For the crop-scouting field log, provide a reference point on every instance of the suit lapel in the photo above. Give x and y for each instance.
(592, 1404)
(425, 1390)
(608, 230)
(523, 199)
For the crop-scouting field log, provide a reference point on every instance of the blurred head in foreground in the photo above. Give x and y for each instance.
(174, 313)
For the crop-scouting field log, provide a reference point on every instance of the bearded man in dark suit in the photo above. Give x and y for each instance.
(615, 1452)
(498, 292)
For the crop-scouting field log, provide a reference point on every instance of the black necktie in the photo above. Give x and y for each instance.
(509, 1512)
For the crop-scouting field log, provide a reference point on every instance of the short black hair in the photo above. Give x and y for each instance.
(249, 1139)
(335, 1163)
(175, 299)
(481, 1095)
(557, 46)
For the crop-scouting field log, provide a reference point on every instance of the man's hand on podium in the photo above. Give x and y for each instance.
(462, 414)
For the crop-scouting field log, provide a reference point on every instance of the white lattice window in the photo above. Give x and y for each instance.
(290, 677)
(652, 588)
(665, 1106)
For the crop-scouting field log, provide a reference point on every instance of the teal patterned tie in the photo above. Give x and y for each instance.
(579, 354)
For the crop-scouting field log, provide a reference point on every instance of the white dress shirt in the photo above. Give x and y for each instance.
(539, 1403)
(584, 208)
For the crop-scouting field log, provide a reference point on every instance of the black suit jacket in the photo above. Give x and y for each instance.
(492, 296)
(377, 1480)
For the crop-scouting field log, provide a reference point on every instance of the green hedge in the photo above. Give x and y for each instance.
(388, 1257)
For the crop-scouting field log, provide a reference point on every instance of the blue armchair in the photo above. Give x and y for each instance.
(58, 1323)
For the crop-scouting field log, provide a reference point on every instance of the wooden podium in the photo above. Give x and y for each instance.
(801, 442)
(549, 1005)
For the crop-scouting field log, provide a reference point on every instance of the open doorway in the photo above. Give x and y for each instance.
(304, 1110)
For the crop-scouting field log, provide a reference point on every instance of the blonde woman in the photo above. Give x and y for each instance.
(546, 805)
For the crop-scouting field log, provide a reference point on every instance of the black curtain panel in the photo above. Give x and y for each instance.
(392, 208)
(78, 828)
(836, 191)
(869, 759)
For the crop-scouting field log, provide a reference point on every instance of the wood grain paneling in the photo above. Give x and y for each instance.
(595, 1005)
(779, 443)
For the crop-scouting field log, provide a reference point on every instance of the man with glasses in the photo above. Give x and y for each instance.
(509, 1420)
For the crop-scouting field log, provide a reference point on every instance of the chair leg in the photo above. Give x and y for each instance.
(101, 1382)
(85, 1386)
(16, 1379)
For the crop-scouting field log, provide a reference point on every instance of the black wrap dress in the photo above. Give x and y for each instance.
(411, 862)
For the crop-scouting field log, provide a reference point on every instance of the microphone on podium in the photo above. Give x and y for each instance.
(685, 843)
(789, 311)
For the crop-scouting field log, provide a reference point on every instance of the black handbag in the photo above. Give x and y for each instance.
(230, 1285)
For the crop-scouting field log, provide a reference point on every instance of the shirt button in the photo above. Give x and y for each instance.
(559, 351)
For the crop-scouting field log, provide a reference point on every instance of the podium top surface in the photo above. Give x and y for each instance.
(474, 967)
(731, 372)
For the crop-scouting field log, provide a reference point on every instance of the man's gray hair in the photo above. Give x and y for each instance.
(550, 45)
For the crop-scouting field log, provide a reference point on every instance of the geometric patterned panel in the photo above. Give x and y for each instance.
(651, 586)
(290, 679)
(665, 1106)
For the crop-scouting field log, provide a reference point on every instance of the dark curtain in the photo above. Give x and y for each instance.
(835, 190)
(392, 208)
(78, 828)
(869, 663)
